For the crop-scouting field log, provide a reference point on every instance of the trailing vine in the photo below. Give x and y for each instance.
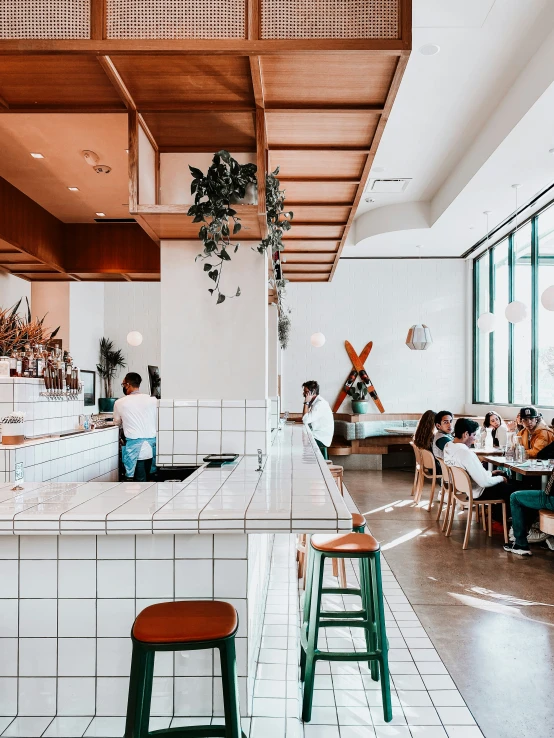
(275, 201)
(224, 184)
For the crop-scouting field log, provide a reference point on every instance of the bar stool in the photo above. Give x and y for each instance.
(183, 626)
(338, 475)
(371, 617)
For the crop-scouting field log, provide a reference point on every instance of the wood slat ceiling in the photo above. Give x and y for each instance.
(318, 115)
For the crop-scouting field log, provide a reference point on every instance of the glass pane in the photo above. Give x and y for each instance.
(546, 317)
(482, 342)
(501, 334)
(523, 330)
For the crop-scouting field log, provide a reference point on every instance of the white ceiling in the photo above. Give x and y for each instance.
(61, 138)
(467, 123)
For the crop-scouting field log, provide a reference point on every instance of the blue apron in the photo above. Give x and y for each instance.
(130, 453)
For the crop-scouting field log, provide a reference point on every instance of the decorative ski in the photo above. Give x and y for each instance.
(351, 378)
(358, 365)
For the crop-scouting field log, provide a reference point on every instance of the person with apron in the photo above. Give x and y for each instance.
(137, 413)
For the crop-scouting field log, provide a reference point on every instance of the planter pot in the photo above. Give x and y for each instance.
(12, 433)
(359, 407)
(105, 404)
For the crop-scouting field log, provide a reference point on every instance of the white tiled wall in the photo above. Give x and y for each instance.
(274, 412)
(65, 641)
(42, 414)
(188, 430)
(91, 456)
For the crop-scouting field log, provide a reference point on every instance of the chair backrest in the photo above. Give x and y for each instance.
(417, 453)
(427, 458)
(462, 483)
(446, 476)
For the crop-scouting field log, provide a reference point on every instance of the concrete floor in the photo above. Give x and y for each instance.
(489, 614)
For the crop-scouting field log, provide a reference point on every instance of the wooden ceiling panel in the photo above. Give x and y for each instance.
(318, 164)
(44, 277)
(341, 193)
(56, 81)
(326, 80)
(307, 276)
(16, 257)
(313, 257)
(321, 214)
(186, 82)
(178, 225)
(313, 231)
(308, 246)
(346, 128)
(208, 131)
(315, 268)
(99, 277)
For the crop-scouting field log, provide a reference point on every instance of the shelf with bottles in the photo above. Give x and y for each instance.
(54, 367)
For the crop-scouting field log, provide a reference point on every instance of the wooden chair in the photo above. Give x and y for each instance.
(428, 471)
(546, 521)
(417, 456)
(446, 493)
(462, 494)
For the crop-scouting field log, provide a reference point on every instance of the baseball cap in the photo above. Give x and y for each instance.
(529, 412)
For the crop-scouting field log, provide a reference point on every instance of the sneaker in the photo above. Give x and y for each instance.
(511, 536)
(515, 549)
(536, 535)
(550, 542)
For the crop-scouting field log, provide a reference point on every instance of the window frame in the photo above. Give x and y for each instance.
(488, 253)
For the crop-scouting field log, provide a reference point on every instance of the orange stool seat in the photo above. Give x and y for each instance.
(358, 521)
(186, 622)
(353, 543)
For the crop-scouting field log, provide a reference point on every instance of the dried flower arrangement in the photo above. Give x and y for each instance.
(17, 330)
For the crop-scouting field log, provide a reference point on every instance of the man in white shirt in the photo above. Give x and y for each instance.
(317, 414)
(137, 413)
(486, 485)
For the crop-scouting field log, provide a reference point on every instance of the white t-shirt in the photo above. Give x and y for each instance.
(458, 454)
(320, 417)
(137, 413)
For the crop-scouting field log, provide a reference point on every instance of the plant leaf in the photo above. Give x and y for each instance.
(207, 267)
(220, 298)
(238, 292)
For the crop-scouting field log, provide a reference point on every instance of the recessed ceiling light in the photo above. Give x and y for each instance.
(429, 49)
(101, 215)
(126, 151)
(73, 189)
(36, 155)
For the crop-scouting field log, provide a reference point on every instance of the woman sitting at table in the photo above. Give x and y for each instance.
(499, 429)
(425, 431)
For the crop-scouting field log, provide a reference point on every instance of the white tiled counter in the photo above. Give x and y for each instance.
(78, 562)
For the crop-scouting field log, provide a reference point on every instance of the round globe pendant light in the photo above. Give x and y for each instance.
(516, 311)
(317, 340)
(134, 338)
(419, 337)
(487, 322)
(547, 298)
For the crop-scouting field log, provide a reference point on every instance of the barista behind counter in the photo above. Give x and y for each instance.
(137, 414)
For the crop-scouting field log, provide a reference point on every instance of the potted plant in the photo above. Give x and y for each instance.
(110, 361)
(359, 398)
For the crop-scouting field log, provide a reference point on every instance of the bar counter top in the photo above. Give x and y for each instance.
(294, 492)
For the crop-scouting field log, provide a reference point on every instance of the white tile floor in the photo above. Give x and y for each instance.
(347, 703)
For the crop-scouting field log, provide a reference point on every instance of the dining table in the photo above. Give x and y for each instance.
(530, 468)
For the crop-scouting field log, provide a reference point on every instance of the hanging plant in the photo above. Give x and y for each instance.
(224, 184)
(283, 329)
(275, 205)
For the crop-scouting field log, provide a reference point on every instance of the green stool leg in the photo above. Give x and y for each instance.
(140, 693)
(358, 529)
(230, 689)
(382, 636)
(312, 634)
(309, 581)
(368, 604)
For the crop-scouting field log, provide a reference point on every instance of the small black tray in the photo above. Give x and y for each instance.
(220, 459)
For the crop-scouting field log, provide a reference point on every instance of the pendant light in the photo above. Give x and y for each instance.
(134, 338)
(487, 321)
(419, 335)
(317, 340)
(516, 311)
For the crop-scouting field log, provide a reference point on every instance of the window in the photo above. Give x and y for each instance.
(515, 363)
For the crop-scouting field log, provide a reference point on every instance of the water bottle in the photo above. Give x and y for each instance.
(488, 438)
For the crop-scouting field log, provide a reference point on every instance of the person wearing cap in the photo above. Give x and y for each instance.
(535, 435)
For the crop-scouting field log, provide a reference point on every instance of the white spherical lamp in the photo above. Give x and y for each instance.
(486, 322)
(547, 298)
(134, 338)
(317, 340)
(516, 311)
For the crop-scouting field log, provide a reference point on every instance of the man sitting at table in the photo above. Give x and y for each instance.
(317, 413)
(521, 502)
(486, 485)
(536, 435)
(443, 424)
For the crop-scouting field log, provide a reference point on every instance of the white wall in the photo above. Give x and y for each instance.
(378, 300)
(12, 289)
(273, 350)
(147, 170)
(134, 307)
(213, 351)
(52, 299)
(86, 328)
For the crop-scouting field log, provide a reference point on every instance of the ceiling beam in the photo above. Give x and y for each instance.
(261, 134)
(340, 110)
(3, 103)
(391, 96)
(117, 82)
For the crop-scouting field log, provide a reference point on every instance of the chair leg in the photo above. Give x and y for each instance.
(140, 693)
(342, 573)
(451, 518)
(382, 638)
(432, 495)
(230, 689)
(368, 604)
(311, 638)
(489, 508)
(468, 526)
(447, 514)
(441, 502)
(308, 582)
(416, 480)
(419, 490)
(505, 522)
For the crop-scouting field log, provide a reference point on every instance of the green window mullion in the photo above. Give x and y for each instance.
(534, 311)
(491, 334)
(476, 389)
(511, 293)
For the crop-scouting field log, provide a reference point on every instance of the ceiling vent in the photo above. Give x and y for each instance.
(114, 220)
(388, 186)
